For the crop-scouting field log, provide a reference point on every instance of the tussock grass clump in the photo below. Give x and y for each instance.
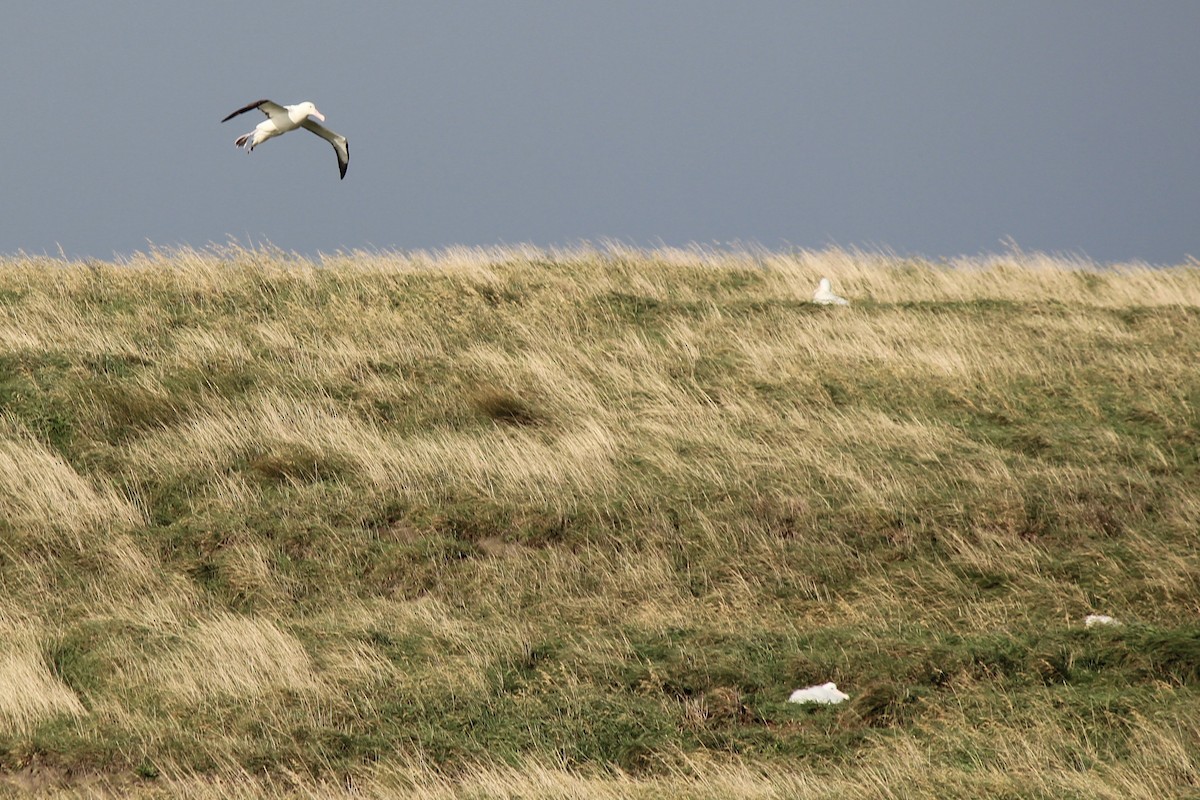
(539, 523)
(30, 692)
(503, 406)
(40, 493)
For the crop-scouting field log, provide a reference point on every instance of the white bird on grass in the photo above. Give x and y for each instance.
(281, 119)
(824, 295)
(826, 693)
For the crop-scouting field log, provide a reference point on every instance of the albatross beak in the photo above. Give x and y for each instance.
(318, 115)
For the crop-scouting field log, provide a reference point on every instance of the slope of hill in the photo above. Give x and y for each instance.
(535, 523)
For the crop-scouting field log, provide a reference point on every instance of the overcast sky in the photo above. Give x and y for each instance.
(929, 128)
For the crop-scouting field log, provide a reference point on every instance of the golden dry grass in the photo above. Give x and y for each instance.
(512, 522)
(29, 692)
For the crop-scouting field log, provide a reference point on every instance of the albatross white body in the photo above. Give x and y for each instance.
(281, 119)
(824, 295)
(826, 694)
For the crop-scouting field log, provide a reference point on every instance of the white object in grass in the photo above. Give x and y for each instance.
(1092, 620)
(824, 295)
(827, 693)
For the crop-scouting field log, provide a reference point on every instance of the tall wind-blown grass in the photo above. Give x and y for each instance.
(574, 523)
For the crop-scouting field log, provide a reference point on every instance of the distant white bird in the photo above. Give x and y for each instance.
(281, 119)
(826, 693)
(1092, 620)
(825, 296)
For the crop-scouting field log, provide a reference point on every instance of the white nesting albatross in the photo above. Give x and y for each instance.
(824, 295)
(281, 119)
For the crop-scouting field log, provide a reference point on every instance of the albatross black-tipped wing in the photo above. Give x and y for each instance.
(268, 107)
(340, 145)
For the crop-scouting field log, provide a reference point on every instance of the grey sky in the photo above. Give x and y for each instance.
(933, 128)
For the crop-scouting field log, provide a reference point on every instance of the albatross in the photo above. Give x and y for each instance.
(281, 119)
(824, 295)
(826, 693)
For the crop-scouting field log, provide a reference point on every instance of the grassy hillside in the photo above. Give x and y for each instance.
(520, 523)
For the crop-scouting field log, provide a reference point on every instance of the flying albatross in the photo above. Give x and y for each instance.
(281, 119)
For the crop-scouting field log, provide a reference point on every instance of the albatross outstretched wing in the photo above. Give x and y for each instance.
(340, 145)
(268, 107)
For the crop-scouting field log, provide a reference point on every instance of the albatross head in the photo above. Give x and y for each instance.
(310, 110)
